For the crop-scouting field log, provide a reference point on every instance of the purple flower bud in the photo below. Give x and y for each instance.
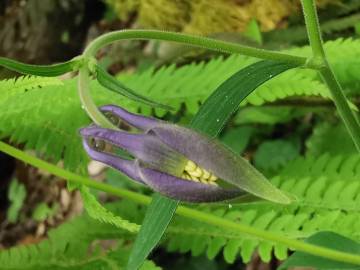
(176, 161)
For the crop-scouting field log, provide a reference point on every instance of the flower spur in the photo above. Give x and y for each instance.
(176, 161)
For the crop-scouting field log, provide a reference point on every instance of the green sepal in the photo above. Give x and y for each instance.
(110, 83)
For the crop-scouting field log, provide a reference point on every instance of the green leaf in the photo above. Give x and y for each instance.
(271, 115)
(220, 106)
(110, 83)
(42, 211)
(44, 70)
(16, 195)
(157, 218)
(210, 119)
(331, 139)
(253, 31)
(238, 138)
(325, 239)
(273, 155)
(357, 28)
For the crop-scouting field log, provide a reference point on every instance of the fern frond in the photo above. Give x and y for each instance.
(331, 139)
(193, 83)
(23, 84)
(73, 246)
(48, 120)
(99, 212)
(49, 135)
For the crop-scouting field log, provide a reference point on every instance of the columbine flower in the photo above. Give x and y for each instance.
(176, 161)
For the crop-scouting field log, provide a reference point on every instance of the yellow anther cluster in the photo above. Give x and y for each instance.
(195, 173)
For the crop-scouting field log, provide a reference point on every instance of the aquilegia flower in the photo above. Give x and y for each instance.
(176, 161)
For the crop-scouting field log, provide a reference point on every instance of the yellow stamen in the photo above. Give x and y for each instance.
(194, 178)
(195, 173)
(212, 178)
(203, 181)
(190, 166)
(206, 174)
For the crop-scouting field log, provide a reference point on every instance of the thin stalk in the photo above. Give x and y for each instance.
(319, 59)
(266, 235)
(342, 105)
(313, 28)
(69, 176)
(183, 211)
(197, 41)
(88, 104)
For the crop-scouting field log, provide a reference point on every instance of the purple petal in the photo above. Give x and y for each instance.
(135, 120)
(185, 190)
(145, 147)
(219, 160)
(128, 167)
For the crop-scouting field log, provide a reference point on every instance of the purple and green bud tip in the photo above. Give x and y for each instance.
(176, 161)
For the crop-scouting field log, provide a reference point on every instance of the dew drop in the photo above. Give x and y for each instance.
(230, 206)
(217, 120)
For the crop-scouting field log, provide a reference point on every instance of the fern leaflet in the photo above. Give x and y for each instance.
(73, 245)
(97, 211)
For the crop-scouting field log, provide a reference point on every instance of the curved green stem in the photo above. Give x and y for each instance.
(319, 59)
(88, 104)
(183, 211)
(197, 41)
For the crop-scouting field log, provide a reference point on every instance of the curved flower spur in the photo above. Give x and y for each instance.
(176, 161)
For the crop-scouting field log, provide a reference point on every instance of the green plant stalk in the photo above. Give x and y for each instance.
(342, 105)
(192, 40)
(313, 28)
(69, 176)
(319, 60)
(183, 211)
(88, 104)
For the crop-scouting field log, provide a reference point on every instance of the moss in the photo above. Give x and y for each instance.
(210, 16)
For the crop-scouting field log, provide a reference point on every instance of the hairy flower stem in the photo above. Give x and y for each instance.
(319, 59)
(183, 211)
